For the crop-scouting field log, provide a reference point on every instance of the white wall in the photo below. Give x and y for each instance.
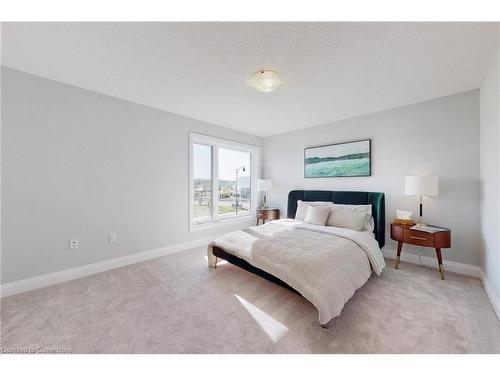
(490, 175)
(440, 137)
(1, 160)
(78, 164)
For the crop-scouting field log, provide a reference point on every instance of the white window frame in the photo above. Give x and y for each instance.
(216, 143)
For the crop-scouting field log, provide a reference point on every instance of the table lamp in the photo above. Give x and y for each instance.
(422, 186)
(264, 185)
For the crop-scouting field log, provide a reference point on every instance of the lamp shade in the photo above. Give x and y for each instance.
(264, 185)
(422, 185)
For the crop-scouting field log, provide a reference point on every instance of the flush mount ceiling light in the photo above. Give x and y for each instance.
(264, 80)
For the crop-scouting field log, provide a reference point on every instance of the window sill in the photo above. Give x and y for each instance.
(220, 223)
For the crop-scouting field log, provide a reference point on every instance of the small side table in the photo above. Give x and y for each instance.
(267, 214)
(438, 240)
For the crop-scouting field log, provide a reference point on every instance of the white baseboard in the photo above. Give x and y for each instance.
(461, 268)
(41, 281)
(490, 292)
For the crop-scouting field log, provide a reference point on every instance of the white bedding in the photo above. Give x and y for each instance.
(324, 264)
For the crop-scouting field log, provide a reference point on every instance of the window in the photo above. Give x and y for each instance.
(223, 177)
(202, 181)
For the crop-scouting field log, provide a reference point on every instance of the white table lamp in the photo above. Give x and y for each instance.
(264, 185)
(422, 186)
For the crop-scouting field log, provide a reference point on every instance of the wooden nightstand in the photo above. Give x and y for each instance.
(267, 214)
(438, 240)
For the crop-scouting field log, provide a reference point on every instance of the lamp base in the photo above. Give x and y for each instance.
(420, 217)
(264, 202)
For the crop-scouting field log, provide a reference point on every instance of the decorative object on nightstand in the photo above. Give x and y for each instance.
(422, 186)
(403, 218)
(403, 222)
(436, 237)
(264, 186)
(267, 214)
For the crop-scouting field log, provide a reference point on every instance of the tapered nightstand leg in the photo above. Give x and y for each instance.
(400, 247)
(440, 262)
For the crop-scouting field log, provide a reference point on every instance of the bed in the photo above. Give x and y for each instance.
(324, 264)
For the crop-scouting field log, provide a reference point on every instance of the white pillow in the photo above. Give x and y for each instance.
(370, 223)
(302, 206)
(317, 214)
(357, 217)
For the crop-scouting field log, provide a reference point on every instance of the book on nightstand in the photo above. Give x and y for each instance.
(428, 228)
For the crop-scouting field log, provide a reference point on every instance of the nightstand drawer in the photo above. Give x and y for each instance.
(266, 214)
(419, 238)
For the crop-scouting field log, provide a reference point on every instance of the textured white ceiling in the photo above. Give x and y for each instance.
(331, 70)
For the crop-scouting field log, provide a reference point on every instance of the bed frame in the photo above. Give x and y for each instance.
(377, 200)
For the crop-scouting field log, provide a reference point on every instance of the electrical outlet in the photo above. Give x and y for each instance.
(112, 237)
(74, 243)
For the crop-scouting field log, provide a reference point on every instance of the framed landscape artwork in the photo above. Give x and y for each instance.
(348, 159)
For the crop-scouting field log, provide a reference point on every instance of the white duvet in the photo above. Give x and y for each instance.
(324, 264)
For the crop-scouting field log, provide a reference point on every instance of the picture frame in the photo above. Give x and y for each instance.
(345, 159)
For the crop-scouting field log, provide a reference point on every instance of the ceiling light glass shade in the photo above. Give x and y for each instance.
(264, 80)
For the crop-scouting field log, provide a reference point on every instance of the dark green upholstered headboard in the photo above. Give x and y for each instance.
(377, 200)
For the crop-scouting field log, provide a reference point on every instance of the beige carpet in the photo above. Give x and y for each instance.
(175, 304)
